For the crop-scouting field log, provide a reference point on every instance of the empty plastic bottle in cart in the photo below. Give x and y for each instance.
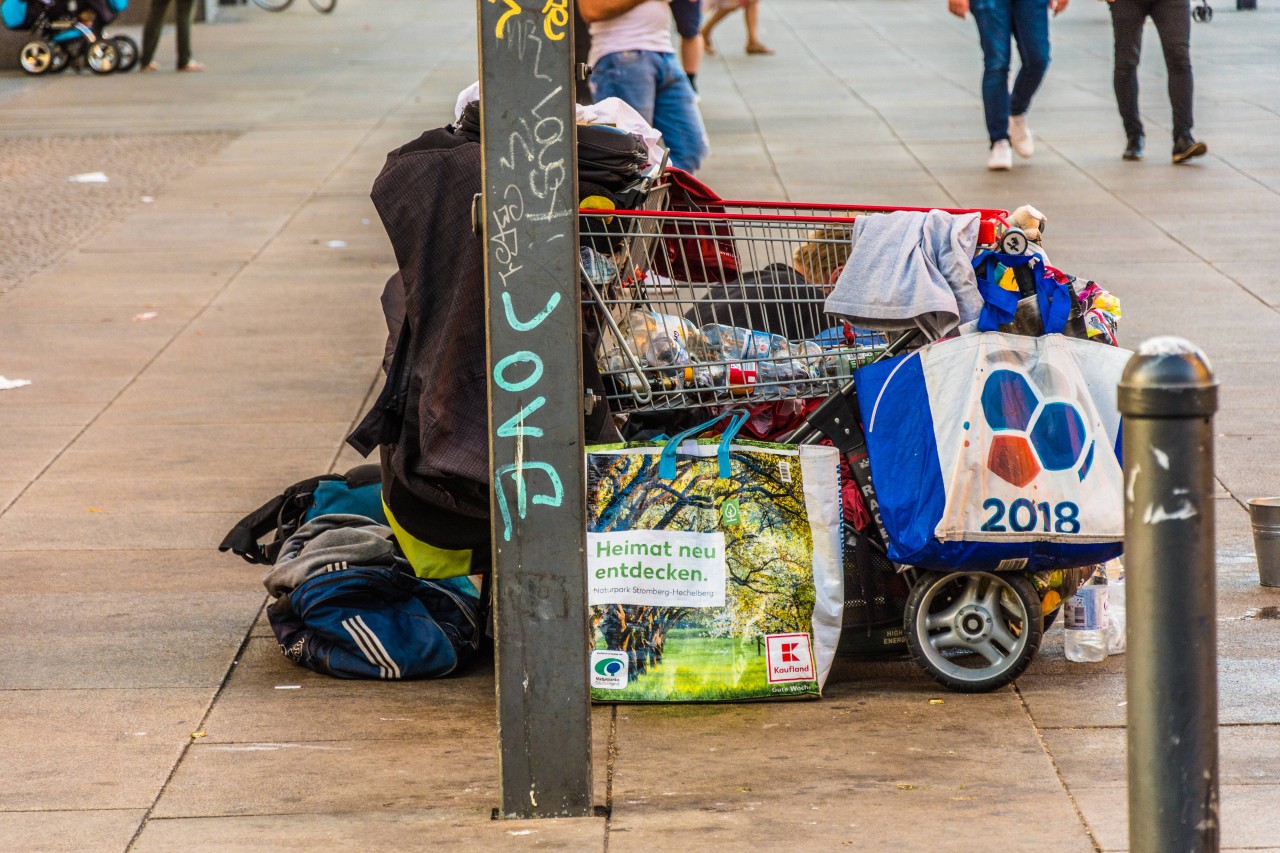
(1085, 621)
(658, 339)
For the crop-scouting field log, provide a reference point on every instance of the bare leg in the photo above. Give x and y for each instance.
(752, 13)
(691, 54)
(720, 15)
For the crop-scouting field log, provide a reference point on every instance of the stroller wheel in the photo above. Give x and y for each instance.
(36, 57)
(102, 57)
(61, 59)
(973, 631)
(127, 48)
(1202, 14)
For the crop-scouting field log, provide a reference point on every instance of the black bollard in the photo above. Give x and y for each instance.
(1168, 396)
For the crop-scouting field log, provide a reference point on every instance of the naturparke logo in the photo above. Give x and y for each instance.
(608, 670)
(789, 657)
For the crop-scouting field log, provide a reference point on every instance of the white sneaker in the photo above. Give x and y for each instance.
(1001, 159)
(1020, 136)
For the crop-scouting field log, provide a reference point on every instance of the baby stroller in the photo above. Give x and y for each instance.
(67, 32)
(701, 272)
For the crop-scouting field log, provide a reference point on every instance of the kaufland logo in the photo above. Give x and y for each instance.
(1034, 429)
(789, 657)
(608, 670)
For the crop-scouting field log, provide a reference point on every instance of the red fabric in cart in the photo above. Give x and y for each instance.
(697, 251)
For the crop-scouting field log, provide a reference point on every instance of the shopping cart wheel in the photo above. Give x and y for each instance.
(36, 57)
(973, 631)
(1202, 14)
(102, 57)
(128, 50)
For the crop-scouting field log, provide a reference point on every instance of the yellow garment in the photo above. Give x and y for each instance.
(427, 560)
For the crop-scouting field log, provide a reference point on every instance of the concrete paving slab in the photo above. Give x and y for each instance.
(69, 750)
(890, 751)
(27, 450)
(69, 831)
(10, 489)
(110, 263)
(261, 629)
(1248, 821)
(94, 454)
(859, 820)
(268, 694)
(121, 640)
(27, 410)
(1248, 466)
(245, 227)
(1095, 758)
(40, 571)
(451, 828)
(24, 524)
(296, 777)
(183, 398)
(178, 445)
(69, 492)
(327, 220)
(1254, 277)
(118, 292)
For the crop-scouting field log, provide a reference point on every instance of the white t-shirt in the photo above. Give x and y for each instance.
(646, 27)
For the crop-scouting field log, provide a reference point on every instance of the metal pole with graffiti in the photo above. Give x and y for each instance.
(529, 226)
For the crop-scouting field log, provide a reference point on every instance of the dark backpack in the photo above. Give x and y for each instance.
(379, 623)
(357, 492)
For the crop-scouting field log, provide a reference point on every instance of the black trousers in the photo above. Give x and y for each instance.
(1173, 23)
(155, 23)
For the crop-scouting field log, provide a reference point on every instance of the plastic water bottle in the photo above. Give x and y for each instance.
(1085, 622)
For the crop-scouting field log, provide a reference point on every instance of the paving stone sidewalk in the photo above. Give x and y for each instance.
(191, 355)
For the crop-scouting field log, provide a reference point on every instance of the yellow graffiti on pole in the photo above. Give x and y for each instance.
(513, 8)
(556, 18)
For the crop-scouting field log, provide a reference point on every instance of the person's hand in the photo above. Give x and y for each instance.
(959, 8)
(1058, 5)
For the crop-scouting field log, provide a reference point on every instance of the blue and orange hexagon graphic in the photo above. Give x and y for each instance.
(1033, 431)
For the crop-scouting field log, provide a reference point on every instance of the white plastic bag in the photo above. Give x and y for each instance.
(1113, 571)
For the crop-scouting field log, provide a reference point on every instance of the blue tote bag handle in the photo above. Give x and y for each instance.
(1000, 305)
(667, 461)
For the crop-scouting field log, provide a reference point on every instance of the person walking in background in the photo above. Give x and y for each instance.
(1173, 23)
(688, 15)
(724, 8)
(154, 25)
(999, 22)
(634, 59)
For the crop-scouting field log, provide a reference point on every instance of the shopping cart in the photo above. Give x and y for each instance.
(719, 305)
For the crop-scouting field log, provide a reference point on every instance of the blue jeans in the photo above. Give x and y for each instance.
(1027, 22)
(656, 86)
